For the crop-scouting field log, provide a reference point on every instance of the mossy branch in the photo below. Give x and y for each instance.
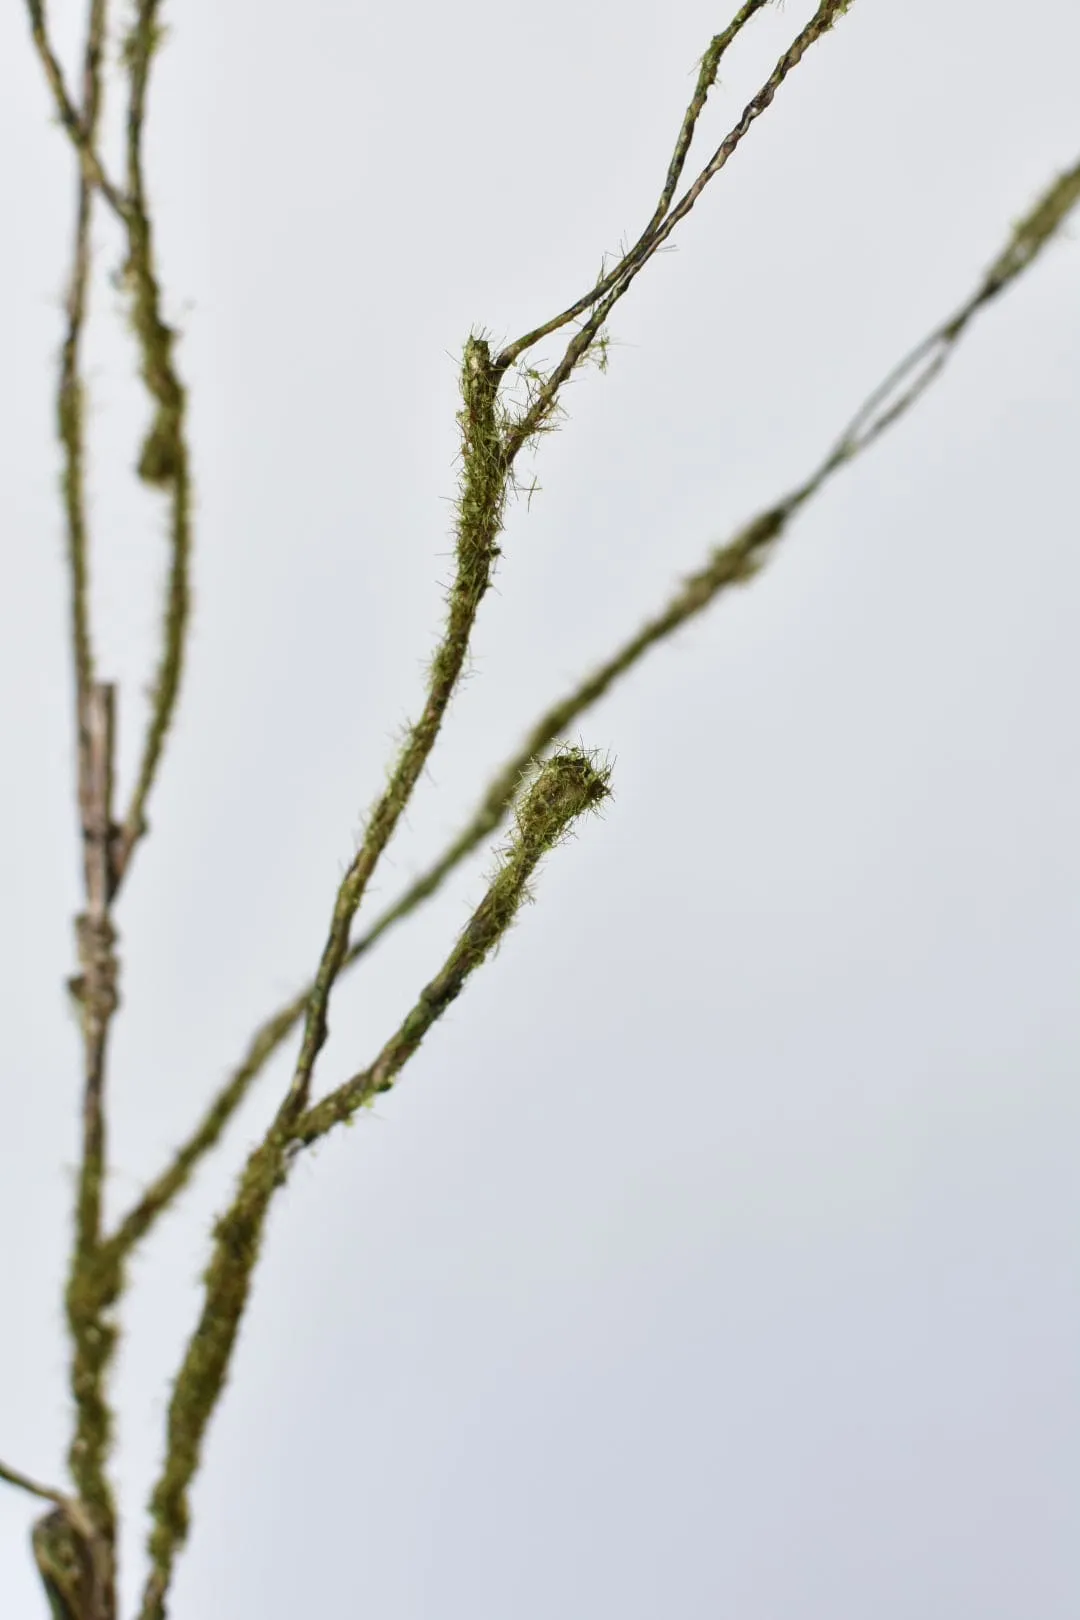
(485, 482)
(602, 297)
(708, 69)
(164, 463)
(96, 1274)
(23, 1482)
(490, 447)
(80, 128)
(734, 563)
(70, 399)
(94, 988)
(565, 788)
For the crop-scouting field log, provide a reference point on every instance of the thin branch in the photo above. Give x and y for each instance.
(485, 482)
(70, 419)
(913, 375)
(162, 1192)
(80, 129)
(95, 991)
(731, 564)
(164, 463)
(544, 401)
(707, 72)
(23, 1482)
(566, 788)
(490, 444)
(95, 987)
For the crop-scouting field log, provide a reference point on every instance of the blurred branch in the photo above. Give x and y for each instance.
(164, 462)
(81, 129)
(23, 1482)
(95, 987)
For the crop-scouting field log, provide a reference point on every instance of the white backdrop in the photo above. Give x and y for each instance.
(718, 1253)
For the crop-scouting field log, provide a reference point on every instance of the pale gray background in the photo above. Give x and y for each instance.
(718, 1255)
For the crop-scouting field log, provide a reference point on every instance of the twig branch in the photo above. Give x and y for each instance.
(164, 463)
(731, 564)
(95, 991)
(491, 441)
(80, 129)
(567, 787)
(23, 1482)
(707, 72)
(75, 1545)
(611, 288)
(95, 987)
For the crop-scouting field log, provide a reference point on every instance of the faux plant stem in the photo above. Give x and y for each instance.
(485, 482)
(565, 789)
(729, 565)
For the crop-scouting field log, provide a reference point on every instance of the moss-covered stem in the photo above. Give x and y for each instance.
(485, 480)
(565, 788)
(164, 463)
(95, 991)
(731, 564)
(612, 286)
(708, 69)
(94, 988)
(23, 1482)
(81, 128)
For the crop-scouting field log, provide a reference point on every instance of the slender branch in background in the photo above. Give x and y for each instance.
(565, 788)
(81, 129)
(23, 1482)
(95, 987)
(70, 421)
(913, 375)
(729, 565)
(95, 990)
(164, 462)
(75, 1544)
